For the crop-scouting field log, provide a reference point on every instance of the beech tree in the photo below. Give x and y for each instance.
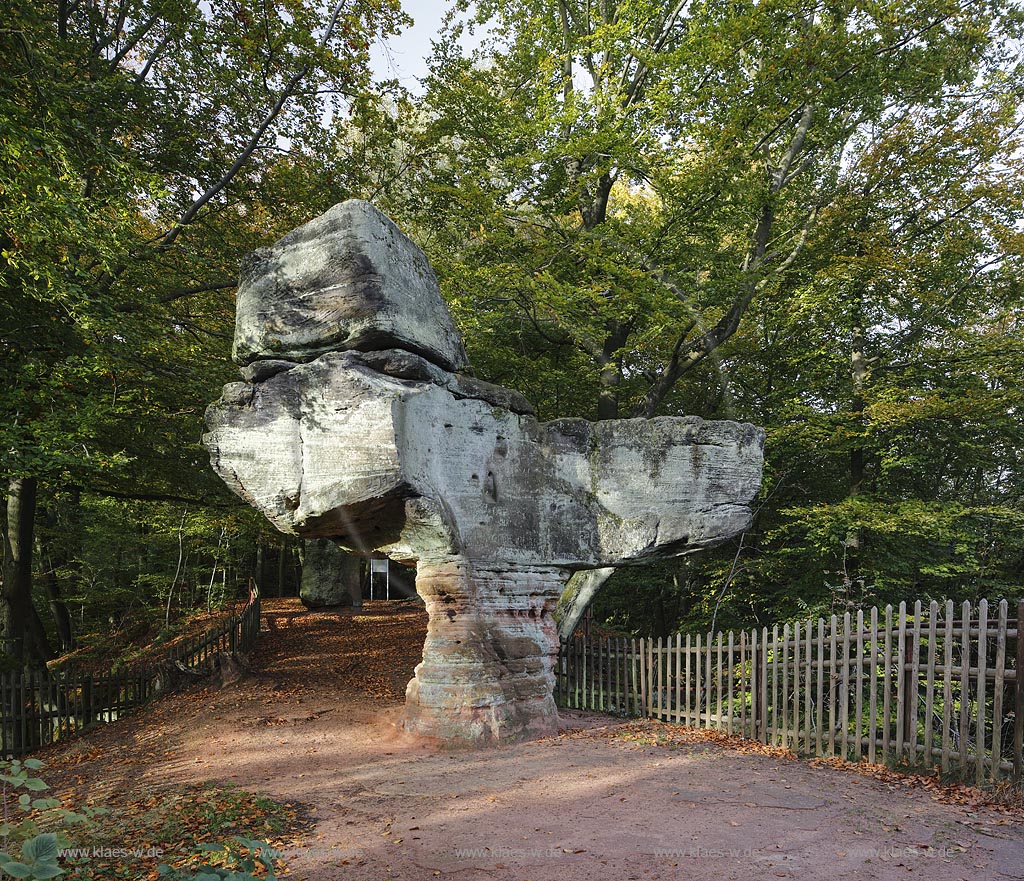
(618, 183)
(886, 383)
(136, 166)
(620, 197)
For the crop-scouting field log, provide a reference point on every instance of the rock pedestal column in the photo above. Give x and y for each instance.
(488, 660)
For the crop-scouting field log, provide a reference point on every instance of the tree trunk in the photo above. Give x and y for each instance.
(58, 549)
(858, 375)
(281, 569)
(22, 630)
(611, 371)
(61, 616)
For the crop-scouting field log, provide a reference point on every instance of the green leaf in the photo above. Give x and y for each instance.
(72, 818)
(35, 784)
(34, 764)
(17, 870)
(42, 848)
(43, 871)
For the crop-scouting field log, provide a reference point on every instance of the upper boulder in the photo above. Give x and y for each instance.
(348, 279)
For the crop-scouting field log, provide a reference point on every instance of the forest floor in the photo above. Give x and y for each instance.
(312, 728)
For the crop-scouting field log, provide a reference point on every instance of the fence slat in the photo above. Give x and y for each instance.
(808, 680)
(887, 687)
(764, 695)
(755, 686)
(698, 663)
(914, 685)
(979, 727)
(731, 673)
(832, 683)
(820, 698)
(718, 683)
(794, 733)
(997, 694)
(709, 644)
(688, 692)
(929, 689)
(858, 733)
(743, 683)
(947, 685)
(1018, 698)
(617, 670)
(873, 687)
(775, 685)
(965, 667)
(844, 691)
(657, 680)
(643, 676)
(901, 683)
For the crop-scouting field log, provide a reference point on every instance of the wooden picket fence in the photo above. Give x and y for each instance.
(931, 686)
(38, 708)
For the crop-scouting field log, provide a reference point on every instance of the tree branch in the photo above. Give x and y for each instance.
(179, 294)
(189, 215)
(144, 29)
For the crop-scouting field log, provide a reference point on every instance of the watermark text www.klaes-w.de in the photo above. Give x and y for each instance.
(508, 853)
(111, 853)
(706, 853)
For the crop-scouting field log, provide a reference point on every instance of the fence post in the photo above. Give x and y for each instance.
(754, 706)
(634, 697)
(980, 726)
(909, 697)
(997, 692)
(764, 685)
(1018, 696)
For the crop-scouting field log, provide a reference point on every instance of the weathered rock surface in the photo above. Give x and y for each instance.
(348, 279)
(330, 577)
(385, 450)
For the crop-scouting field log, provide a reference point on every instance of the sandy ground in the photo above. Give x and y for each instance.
(314, 724)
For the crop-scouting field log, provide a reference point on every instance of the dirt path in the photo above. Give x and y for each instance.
(313, 724)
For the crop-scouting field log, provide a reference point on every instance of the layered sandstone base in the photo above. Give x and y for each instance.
(488, 661)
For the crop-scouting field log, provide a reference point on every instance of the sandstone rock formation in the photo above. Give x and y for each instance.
(352, 425)
(330, 577)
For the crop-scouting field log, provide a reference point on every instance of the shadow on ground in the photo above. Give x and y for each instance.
(314, 723)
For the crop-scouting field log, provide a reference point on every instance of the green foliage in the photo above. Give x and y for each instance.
(17, 785)
(807, 219)
(875, 153)
(38, 859)
(606, 188)
(39, 850)
(238, 860)
(139, 160)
